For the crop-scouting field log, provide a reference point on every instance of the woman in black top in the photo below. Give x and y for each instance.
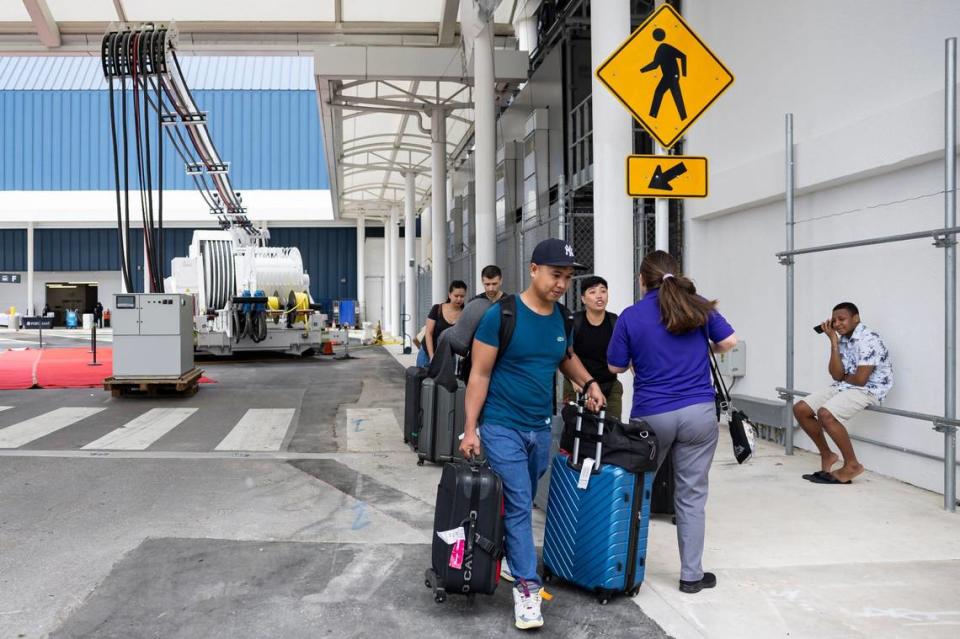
(593, 328)
(443, 316)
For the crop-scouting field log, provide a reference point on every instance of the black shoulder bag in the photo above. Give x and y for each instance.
(742, 432)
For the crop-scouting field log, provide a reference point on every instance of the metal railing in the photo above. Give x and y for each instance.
(945, 238)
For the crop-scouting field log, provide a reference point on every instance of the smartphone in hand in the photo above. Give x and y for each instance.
(818, 329)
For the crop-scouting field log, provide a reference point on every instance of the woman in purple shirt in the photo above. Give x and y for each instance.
(665, 337)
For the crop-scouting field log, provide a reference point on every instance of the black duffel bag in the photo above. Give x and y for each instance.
(631, 446)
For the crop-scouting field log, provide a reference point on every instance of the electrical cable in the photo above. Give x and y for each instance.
(108, 45)
(122, 51)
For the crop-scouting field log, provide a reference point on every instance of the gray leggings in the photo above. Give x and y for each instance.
(689, 434)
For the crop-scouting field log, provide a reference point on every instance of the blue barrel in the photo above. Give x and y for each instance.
(71, 319)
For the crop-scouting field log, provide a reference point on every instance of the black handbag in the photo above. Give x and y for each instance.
(631, 446)
(742, 432)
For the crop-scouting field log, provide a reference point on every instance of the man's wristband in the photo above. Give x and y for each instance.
(586, 385)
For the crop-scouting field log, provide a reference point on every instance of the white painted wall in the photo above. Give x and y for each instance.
(864, 79)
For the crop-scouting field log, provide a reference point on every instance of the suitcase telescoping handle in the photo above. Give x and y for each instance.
(576, 439)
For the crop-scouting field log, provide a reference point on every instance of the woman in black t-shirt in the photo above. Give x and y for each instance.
(443, 316)
(593, 328)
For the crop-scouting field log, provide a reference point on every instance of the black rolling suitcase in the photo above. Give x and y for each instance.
(467, 531)
(444, 414)
(664, 486)
(411, 409)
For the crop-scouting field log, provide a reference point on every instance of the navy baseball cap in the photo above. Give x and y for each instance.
(554, 252)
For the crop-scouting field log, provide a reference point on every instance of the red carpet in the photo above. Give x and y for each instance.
(57, 368)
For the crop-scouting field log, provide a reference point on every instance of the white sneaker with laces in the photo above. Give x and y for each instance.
(505, 573)
(526, 607)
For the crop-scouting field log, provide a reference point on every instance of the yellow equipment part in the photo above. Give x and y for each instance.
(303, 304)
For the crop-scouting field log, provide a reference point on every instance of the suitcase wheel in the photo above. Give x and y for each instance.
(547, 574)
(439, 596)
(420, 462)
(634, 592)
(603, 600)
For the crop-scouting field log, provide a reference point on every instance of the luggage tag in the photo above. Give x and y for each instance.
(585, 472)
(456, 555)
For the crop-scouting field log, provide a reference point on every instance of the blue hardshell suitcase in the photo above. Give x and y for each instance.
(596, 537)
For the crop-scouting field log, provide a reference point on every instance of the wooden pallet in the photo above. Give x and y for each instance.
(186, 384)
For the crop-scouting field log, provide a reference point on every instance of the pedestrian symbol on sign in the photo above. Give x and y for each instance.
(665, 59)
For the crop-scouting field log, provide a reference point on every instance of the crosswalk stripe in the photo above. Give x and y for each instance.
(3, 408)
(139, 433)
(260, 429)
(36, 427)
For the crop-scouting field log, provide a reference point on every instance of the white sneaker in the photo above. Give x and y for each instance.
(526, 607)
(505, 573)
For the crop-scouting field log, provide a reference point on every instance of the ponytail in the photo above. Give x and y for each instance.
(681, 309)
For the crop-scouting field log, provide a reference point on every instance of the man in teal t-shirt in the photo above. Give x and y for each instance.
(515, 397)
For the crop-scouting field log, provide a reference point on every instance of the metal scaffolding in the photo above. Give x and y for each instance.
(945, 238)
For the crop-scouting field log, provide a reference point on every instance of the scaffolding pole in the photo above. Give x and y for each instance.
(788, 261)
(950, 280)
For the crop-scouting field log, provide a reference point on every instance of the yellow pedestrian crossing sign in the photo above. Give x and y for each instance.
(665, 75)
(666, 176)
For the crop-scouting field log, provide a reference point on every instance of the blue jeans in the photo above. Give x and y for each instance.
(520, 458)
(423, 359)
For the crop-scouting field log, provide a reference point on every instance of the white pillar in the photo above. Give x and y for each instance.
(29, 310)
(438, 157)
(146, 265)
(410, 246)
(361, 270)
(426, 232)
(662, 214)
(387, 277)
(394, 270)
(485, 158)
(526, 29)
(612, 143)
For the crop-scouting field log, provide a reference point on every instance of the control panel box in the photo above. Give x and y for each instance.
(152, 335)
(733, 363)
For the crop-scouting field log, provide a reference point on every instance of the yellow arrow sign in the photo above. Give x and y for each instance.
(667, 176)
(665, 75)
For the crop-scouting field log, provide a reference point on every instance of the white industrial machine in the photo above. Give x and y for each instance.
(244, 295)
(152, 335)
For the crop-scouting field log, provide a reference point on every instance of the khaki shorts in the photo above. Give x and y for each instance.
(842, 404)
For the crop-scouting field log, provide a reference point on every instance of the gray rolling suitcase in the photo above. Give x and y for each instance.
(443, 418)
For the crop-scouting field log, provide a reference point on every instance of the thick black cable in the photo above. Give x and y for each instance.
(108, 47)
(161, 40)
(123, 51)
(143, 57)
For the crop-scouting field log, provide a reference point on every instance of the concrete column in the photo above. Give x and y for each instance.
(410, 247)
(485, 158)
(426, 233)
(387, 277)
(361, 271)
(29, 310)
(438, 157)
(612, 143)
(526, 29)
(146, 266)
(394, 270)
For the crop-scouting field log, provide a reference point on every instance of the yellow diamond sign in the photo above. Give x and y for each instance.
(665, 75)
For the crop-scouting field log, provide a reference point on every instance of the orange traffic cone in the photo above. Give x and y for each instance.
(327, 348)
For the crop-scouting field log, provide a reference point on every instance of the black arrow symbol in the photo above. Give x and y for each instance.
(661, 179)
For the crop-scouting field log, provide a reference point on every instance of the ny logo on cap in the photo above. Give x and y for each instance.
(568, 250)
